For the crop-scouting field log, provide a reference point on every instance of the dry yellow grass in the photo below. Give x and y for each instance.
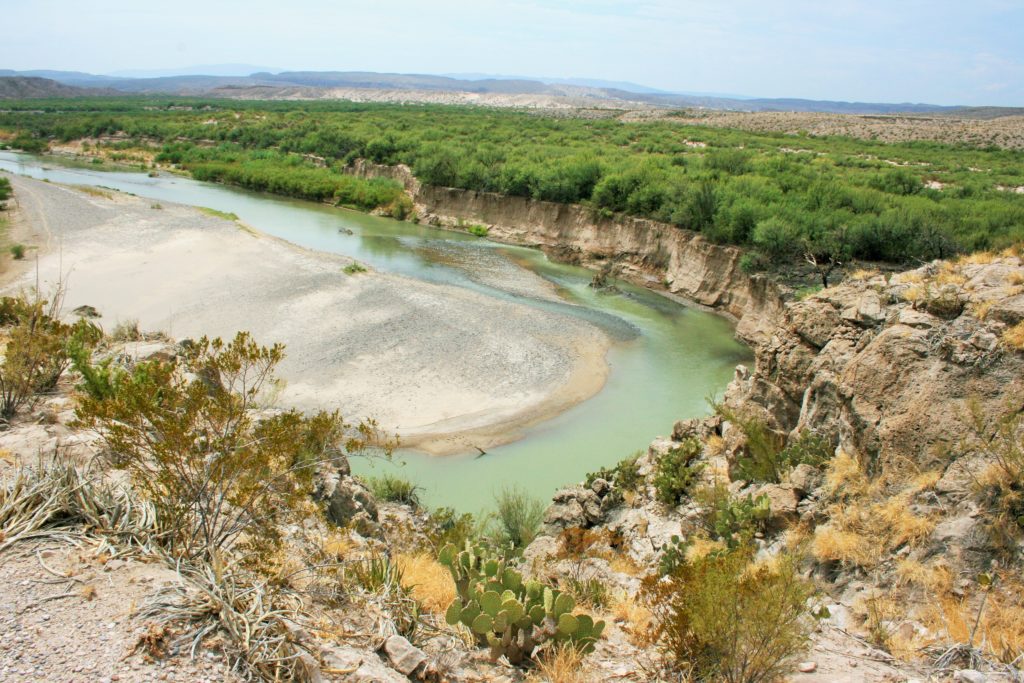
(94, 191)
(1013, 250)
(949, 274)
(714, 445)
(936, 578)
(336, 544)
(1014, 337)
(925, 481)
(863, 274)
(832, 544)
(1000, 630)
(978, 257)
(561, 664)
(915, 293)
(1015, 278)
(908, 278)
(431, 584)
(903, 526)
(634, 618)
(701, 547)
(845, 476)
(982, 308)
(867, 527)
(623, 564)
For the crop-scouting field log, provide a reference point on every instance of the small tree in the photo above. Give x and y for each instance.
(519, 516)
(36, 352)
(186, 434)
(722, 618)
(827, 252)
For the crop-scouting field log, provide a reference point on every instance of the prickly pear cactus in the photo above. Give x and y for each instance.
(512, 616)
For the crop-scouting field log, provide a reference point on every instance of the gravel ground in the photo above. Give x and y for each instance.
(444, 367)
(68, 615)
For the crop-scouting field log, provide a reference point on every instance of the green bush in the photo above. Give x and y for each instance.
(807, 448)
(519, 516)
(36, 352)
(762, 457)
(187, 436)
(394, 490)
(739, 181)
(677, 471)
(445, 526)
(625, 475)
(18, 251)
(721, 618)
(733, 520)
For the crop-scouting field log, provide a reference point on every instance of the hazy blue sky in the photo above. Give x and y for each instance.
(940, 51)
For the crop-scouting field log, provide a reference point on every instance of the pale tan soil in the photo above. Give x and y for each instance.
(1006, 132)
(445, 368)
(70, 614)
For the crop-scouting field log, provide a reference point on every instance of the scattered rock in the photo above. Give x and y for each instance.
(804, 478)
(782, 501)
(807, 667)
(404, 656)
(969, 676)
(573, 507)
(86, 311)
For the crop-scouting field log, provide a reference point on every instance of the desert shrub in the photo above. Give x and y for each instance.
(5, 190)
(394, 490)
(592, 591)
(18, 251)
(722, 618)
(677, 471)
(808, 448)
(766, 457)
(445, 526)
(385, 578)
(354, 268)
(519, 516)
(185, 433)
(36, 352)
(897, 181)
(760, 459)
(776, 237)
(1001, 487)
(126, 330)
(1014, 337)
(702, 207)
(98, 380)
(730, 519)
(625, 475)
(478, 230)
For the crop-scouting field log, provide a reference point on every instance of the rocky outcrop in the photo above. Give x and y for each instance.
(876, 365)
(644, 251)
(347, 502)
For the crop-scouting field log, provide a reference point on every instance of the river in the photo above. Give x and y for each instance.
(666, 361)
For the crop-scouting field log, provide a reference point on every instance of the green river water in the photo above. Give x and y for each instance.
(666, 360)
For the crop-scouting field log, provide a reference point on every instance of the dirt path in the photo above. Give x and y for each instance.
(444, 367)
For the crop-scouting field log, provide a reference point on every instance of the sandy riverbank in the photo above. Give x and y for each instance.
(446, 368)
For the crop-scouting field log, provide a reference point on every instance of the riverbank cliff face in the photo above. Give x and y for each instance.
(643, 251)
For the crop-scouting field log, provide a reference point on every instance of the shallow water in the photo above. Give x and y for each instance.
(667, 359)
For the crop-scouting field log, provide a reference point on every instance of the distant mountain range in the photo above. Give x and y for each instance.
(227, 79)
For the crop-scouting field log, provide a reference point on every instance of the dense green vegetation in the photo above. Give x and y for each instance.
(823, 199)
